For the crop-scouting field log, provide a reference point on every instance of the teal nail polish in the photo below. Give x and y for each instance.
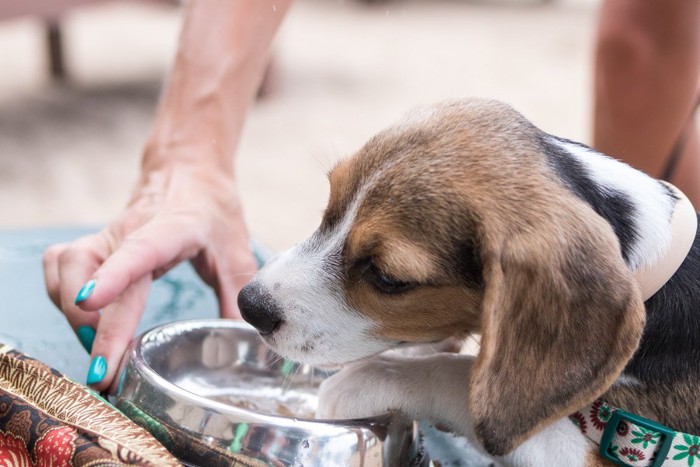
(85, 291)
(97, 371)
(86, 336)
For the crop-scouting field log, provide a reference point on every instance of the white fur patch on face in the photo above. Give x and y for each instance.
(653, 204)
(319, 327)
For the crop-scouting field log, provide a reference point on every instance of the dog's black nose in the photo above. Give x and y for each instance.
(259, 309)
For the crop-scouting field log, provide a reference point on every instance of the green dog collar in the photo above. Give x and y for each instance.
(628, 439)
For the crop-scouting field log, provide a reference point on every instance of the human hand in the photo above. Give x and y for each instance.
(179, 211)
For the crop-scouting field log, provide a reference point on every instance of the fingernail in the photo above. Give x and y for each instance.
(97, 371)
(86, 336)
(85, 291)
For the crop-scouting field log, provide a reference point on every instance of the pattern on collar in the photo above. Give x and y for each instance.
(631, 440)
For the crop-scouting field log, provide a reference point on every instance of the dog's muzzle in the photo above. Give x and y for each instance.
(259, 309)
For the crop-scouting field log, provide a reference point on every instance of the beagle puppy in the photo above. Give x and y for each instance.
(465, 218)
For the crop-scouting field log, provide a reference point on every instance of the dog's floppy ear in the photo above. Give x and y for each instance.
(561, 316)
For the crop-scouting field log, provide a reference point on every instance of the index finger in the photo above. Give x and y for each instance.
(154, 247)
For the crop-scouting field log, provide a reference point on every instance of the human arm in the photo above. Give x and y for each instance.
(647, 65)
(185, 204)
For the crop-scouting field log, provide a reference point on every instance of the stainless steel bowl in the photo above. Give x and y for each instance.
(214, 394)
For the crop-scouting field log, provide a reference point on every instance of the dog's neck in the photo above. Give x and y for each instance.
(682, 228)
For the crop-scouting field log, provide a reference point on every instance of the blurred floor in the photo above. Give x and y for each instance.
(343, 70)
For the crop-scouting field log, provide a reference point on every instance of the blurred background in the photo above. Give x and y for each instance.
(71, 138)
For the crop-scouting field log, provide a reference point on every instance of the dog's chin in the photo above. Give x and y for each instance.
(334, 360)
(332, 365)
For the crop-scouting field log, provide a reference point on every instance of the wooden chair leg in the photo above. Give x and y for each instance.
(54, 43)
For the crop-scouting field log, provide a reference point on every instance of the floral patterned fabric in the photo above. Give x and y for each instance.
(48, 420)
(633, 444)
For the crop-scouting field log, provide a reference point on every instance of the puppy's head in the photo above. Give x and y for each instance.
(455, 222)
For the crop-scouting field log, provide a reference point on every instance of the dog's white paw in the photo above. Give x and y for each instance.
(368, 388)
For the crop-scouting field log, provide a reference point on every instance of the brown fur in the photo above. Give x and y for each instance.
(676, 406)
(433, 312)
(596, 460)
(469, 188)
(402, 257)
(561, 317)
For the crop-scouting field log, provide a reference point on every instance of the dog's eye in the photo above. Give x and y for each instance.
(387, 284)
